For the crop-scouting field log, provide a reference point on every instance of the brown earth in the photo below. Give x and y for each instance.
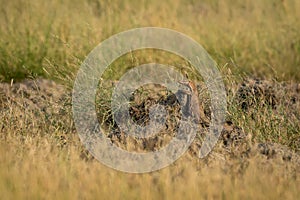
(44, 107)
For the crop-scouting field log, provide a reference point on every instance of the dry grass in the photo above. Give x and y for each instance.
(38, 169)
(41, 155)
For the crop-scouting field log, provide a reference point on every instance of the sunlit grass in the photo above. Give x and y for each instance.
(39, 38)
(37, 169)
(41, 157)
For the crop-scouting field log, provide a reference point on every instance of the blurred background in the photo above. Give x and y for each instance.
(42, 38)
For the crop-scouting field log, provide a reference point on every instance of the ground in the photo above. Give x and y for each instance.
(51, 158)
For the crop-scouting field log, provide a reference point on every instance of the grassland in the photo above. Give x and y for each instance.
(261, 38)
(41, 155)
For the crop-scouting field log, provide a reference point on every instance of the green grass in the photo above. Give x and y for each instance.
(52, 38)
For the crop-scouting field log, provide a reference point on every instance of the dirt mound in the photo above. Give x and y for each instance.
(234, 141)
(44, 107)
(33, 94)
(35, 107)
(256, 92)
(273, 108)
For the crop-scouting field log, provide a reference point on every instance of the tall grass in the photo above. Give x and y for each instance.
(38, 170)
(50, 38)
